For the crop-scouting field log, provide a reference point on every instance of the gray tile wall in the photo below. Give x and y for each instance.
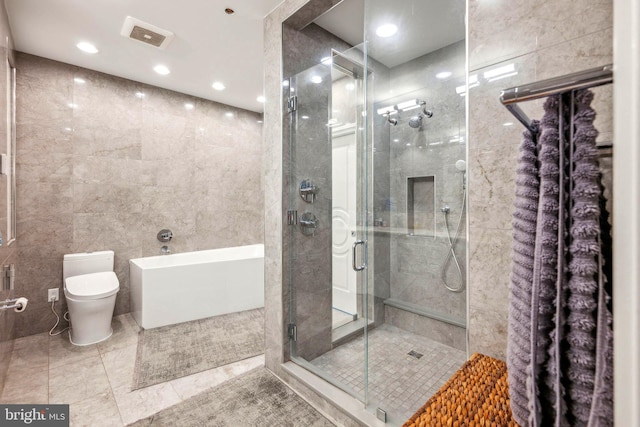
(542, 39)
(105, 163)
(310, 154)
(8, 254)
(429, 151)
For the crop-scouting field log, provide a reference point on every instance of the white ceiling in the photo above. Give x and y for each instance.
(423, 26)
(209, 45)
(345, 20)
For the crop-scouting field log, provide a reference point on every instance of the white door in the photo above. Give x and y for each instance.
(344, 185)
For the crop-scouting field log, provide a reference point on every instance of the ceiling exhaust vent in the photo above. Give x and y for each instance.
(146, 33)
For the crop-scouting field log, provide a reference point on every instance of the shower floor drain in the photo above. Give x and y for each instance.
(415, 354)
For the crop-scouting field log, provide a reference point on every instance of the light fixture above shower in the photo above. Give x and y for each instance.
(408, 105)
(401, 106)
(415, 121)
(386, 30)
(391, 109)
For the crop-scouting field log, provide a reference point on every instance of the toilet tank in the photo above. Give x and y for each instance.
(86, 263)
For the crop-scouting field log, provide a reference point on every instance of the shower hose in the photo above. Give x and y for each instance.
(452, 243)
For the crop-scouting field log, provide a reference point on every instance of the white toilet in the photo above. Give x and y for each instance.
(90, 287)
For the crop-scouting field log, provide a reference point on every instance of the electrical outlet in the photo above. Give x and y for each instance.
(53, 295)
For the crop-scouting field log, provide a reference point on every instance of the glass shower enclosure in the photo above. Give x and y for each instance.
(376, 187)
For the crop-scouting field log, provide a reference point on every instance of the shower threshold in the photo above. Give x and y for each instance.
(348, 331)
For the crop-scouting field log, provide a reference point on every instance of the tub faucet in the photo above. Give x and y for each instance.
(165, 250)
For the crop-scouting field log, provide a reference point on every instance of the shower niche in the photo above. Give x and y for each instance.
(421, 210)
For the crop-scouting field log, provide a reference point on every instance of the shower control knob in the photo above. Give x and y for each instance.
(165, 235)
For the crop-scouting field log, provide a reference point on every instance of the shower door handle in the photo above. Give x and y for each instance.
(353, 255)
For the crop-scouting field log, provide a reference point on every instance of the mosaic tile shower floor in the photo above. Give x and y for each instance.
(398, 382)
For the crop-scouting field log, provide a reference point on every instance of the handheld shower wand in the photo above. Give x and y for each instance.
(461, 165)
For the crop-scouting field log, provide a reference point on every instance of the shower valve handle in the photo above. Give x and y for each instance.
(165, 235)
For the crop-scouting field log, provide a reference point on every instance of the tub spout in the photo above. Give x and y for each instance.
(165, 250)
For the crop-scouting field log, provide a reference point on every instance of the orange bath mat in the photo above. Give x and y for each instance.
(476, 395)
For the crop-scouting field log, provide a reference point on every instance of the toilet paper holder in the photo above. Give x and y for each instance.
(19, 304)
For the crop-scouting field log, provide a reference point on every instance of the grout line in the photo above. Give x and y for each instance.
(111, 391)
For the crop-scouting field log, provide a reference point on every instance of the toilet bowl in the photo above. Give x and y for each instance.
(90, 288)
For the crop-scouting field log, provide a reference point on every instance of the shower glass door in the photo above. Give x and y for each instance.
(377, 167)
(328, 191)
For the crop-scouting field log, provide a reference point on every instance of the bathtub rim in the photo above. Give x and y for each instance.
(196, 257)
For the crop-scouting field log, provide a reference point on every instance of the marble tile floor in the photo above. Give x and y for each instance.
(96, 380)
(398, 383)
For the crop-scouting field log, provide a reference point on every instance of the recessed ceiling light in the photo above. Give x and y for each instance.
(228, 114)
(189, 106)
(218, 86)
(508, 124)
(140, 95)
(316, 79)
(443, 74)
(260, 99)
(162, 70)
(87, 47)
(79, 80)
(386, 30)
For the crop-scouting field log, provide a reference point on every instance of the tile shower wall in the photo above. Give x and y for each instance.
(543, 39)
(310, 155)
(105, 163)
(8, 254)
(428, 151)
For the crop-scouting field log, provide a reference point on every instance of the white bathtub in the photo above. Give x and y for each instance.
(169, 289)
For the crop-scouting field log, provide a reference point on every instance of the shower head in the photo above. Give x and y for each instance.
(391, 120)
(416, 121)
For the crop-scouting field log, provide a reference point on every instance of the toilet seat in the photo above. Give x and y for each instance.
(91, 286)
